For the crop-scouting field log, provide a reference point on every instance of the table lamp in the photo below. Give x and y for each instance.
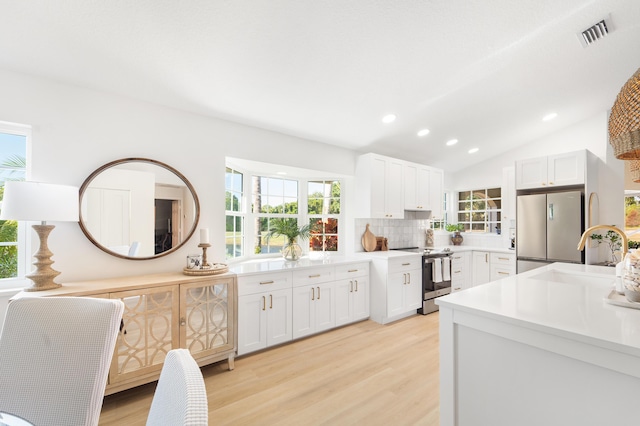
(35, 201)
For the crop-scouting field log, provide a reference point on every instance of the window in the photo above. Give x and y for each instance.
(438, 223)
(253, 201)
(13, 164)
(234, 234)
(323, 208)
(632, 218)
(272, 198)
(480, 210)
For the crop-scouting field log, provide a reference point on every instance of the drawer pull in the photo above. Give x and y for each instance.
(503, 258)
(314, 276)
(266, 282)
(503, 273)
(406, 264)
(456, 289)
(352, 270)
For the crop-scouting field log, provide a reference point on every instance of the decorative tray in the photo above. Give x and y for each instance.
(210, 269)
(620, 300)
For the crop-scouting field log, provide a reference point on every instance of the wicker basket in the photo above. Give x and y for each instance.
(624, 121)
(634, 170)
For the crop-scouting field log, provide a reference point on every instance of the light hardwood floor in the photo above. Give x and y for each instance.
(364, 373)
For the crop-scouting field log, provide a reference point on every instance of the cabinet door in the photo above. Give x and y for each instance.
(410, 186)
(566, 169)
(149, 330)
(531, 173)
(436, 184)
(394, 195)
(252, 322)
(396, 284)
(207, 310)
(313, 309)
(481, 267)
(360, 299)
(378, 184)
(279, 317)
(413, 290)
(343, 291)
(460, 272)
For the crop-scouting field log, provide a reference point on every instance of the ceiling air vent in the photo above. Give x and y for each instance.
(594, 33)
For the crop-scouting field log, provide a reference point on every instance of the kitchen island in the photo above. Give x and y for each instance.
(540, 348)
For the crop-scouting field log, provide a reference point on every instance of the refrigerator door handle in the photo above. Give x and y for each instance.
(550, 211)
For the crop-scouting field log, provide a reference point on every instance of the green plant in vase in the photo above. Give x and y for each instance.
(456, 228)
(289, 229)
(613, 241)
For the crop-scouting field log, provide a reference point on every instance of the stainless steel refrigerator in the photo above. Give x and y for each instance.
(548, 228)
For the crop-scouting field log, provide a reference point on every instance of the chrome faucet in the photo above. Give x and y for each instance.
(625, 240)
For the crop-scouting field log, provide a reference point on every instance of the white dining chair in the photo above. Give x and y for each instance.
(180, 398)
(55, 354)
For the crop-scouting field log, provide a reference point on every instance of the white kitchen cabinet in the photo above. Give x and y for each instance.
(481, 266)
(502, 265)
(423, 188)
(551, 171)
(417, 187)
(396, 287)
(313, 301)
(436, 192)
(380, 187)
(460, 271)
(352, 293)
(264, 311)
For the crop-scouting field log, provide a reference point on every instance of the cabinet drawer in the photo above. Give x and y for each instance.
(457, 259)
(498, 272)
(503, 259)
(405, 263)
(352, 270)
(313, 276)
(252, 284)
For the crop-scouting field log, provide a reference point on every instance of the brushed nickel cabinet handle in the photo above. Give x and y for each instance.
(266, 282)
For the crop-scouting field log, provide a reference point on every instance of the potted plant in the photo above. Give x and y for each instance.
(289, 229)
(614, 242)
(456, 228)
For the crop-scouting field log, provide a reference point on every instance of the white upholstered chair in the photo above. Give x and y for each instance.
(180, 397)
(55, 354)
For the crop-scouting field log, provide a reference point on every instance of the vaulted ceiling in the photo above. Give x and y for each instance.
(483, 72)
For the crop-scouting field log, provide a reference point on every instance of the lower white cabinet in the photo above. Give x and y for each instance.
(264, 311)
(313, 309)
(352, 293)
(481, 267)
(502, 265)
(396, 287)
(460, 271)
(276, 307)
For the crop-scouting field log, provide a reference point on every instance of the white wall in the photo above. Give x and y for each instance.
(591, 134)
(76, 130)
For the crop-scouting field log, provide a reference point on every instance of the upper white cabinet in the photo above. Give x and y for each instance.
(552, 171)
(379, 187)
(436, 184)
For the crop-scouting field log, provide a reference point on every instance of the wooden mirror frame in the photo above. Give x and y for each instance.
(101, 169)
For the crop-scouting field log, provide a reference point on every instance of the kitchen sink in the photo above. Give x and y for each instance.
(573, 278)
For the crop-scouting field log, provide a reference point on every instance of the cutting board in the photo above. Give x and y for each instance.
(368, 240)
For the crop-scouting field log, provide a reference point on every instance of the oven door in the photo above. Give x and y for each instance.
(436, 276)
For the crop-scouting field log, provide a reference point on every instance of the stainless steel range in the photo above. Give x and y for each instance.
(436, 276)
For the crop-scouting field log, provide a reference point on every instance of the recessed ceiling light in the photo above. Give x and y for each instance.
(474, 150)
(452, 142)
(389, 118)
(549, 116)
(423, 132)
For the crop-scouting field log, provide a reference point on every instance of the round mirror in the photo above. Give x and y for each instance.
(138, 208)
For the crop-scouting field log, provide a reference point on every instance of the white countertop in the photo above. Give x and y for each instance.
(572, 309)
(454, 249)
(275, 264)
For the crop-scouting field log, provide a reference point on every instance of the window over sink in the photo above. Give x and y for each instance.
(480, 210)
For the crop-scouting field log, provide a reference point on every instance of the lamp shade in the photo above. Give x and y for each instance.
(35, 201)
(624, 121)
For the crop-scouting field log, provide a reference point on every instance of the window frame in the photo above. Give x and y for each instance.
(26, 241)
(487, 222)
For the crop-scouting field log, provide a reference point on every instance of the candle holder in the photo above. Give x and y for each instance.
(206, 268)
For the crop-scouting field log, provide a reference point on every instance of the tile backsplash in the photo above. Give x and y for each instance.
(412, 233)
